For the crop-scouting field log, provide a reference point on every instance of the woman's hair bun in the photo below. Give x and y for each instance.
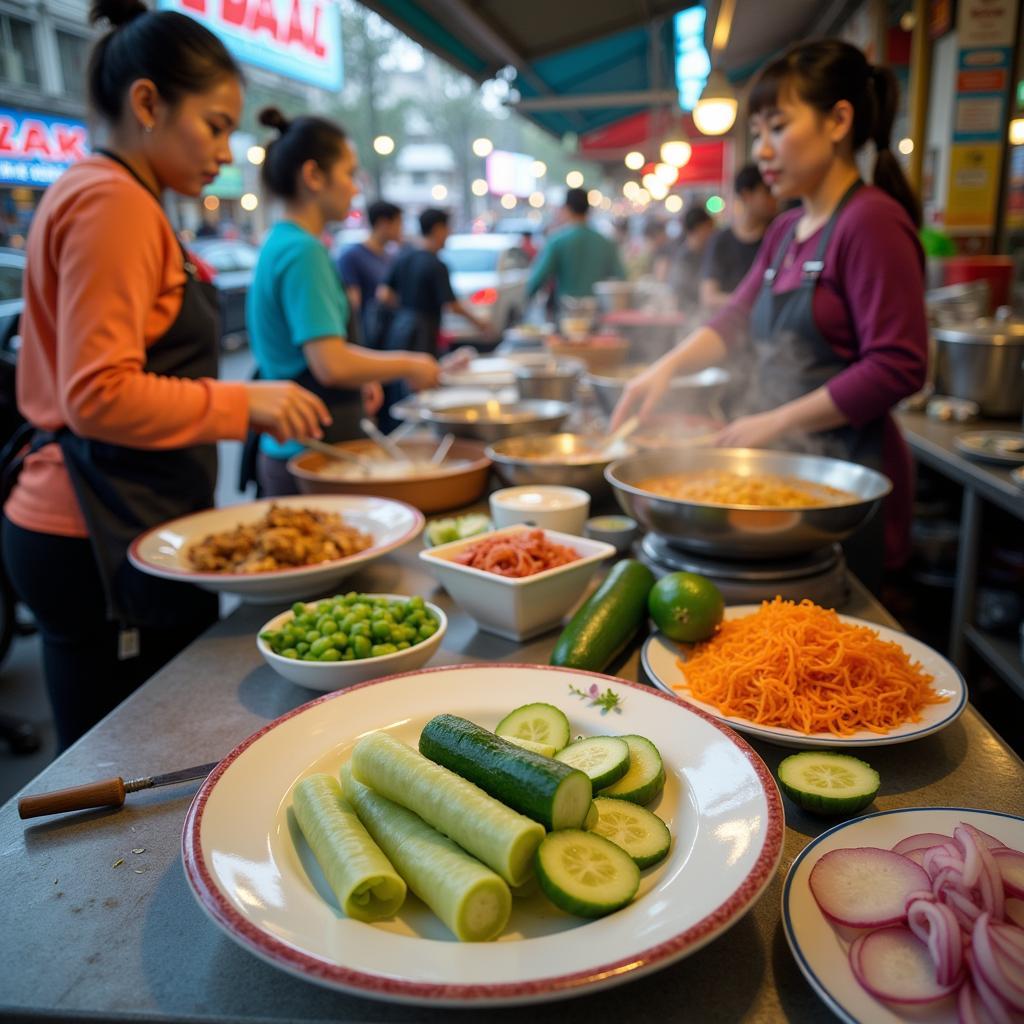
(273, 118)
(117, 12)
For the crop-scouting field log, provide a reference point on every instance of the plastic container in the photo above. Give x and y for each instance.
(996, 270)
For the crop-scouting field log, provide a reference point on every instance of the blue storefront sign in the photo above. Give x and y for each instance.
(35, 149)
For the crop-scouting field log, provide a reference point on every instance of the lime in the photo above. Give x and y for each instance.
(685, 607)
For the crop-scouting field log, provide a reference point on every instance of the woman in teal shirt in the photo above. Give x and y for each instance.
(297, 312)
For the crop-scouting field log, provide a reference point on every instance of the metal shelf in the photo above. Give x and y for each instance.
(1001, 653)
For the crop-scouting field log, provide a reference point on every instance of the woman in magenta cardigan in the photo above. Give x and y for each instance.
(834, 302)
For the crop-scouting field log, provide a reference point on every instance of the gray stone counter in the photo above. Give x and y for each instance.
(82, 939)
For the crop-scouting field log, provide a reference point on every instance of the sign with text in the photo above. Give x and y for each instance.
(36, 149)
(973, 187)
(299, 39)
(986, 23)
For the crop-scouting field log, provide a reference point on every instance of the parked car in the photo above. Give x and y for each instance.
(489, 274)
(232, 262)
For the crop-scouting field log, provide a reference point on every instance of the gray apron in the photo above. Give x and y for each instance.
(792, 359)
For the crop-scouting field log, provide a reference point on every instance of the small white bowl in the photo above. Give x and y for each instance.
(337, 675)
(517, 609)
(548, 506)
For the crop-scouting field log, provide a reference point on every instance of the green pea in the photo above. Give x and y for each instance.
(427, 630)
(327, 627)
(414, 618)
(361, 646)
(312, 636)
(298, 608)
(302, 647)
(378, 650)
(289, 652)
(402, 645)
(348, 655)
(417, 603)
(360, 629)
(323, 644)
(380, 630)
(339, 640)
(331, 655)
(397, 611)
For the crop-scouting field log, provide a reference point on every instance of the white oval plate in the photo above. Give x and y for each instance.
(161, 551)
(659, 656)
(242, 861)
(998, 446)
(821, 954)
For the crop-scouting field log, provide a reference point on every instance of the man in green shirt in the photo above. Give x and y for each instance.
(576, 256)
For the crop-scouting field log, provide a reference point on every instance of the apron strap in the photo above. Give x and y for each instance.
(780, 254)
(813, 268)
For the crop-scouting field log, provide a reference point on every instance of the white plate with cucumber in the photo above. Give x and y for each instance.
(659, 656)
(253, 841)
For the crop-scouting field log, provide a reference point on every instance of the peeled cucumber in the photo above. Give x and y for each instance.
(366, 885)
(502, 838)
(468, 897)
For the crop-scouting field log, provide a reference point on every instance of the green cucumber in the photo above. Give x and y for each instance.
(544, 749)
(643, 835)
(646, 776)
(591, 819)
(366, 884)
(468, 897)
(586, 874)
(555, 794)
(828, 783)
(608, 620)
(503, 839)
(540, 723)
(604, 759)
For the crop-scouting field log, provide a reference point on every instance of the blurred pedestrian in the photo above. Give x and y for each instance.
(363, 267)
(118, 366)
(685, 271)
(731, 251)
(298, 314)
(576, 256)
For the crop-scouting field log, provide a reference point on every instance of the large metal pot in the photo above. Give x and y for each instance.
(982, 362)
(698, 394)
(747, 531)
(555, 379)
(492, 421)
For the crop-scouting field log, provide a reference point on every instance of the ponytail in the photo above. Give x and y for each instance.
(888, 174)
(822, 73)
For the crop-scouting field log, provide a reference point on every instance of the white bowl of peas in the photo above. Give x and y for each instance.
(343, 640)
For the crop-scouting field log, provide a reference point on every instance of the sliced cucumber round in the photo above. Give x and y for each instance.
(646, 776)
(643, 835)
(824, 782)
(544, 749)
(605, 759)
(539, 723)
(585, 874)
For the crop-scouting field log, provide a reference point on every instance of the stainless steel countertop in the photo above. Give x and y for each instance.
(83, 940)
(932, 442)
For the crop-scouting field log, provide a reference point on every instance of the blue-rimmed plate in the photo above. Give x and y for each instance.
(822, 954)
(660, 656)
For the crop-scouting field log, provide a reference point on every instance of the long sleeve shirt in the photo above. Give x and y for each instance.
(103, 281)
(577, 257)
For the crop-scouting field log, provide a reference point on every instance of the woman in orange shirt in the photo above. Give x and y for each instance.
(117, 371)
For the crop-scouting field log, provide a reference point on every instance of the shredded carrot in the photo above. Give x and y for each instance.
(517, 554)
(798, 666)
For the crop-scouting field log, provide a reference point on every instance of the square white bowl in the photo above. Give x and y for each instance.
(517, 609)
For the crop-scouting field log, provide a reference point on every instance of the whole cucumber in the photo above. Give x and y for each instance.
(607, 620)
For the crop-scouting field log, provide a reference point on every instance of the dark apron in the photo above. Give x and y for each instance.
(792, 359)
(344, 404)
(124, 491)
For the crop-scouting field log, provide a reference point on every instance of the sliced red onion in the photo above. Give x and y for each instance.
(990, 841)
(894, 965)
(1013, 910)
(1009, 936)
(938, 858)
(972, 858)
(937, 925)
(921, 841)
(1011, 868)
(966, 911)
(989, 998)
(989, 968)
(969, 1008)
(865, 887)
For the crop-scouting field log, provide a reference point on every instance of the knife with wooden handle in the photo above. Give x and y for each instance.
(105, 793)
